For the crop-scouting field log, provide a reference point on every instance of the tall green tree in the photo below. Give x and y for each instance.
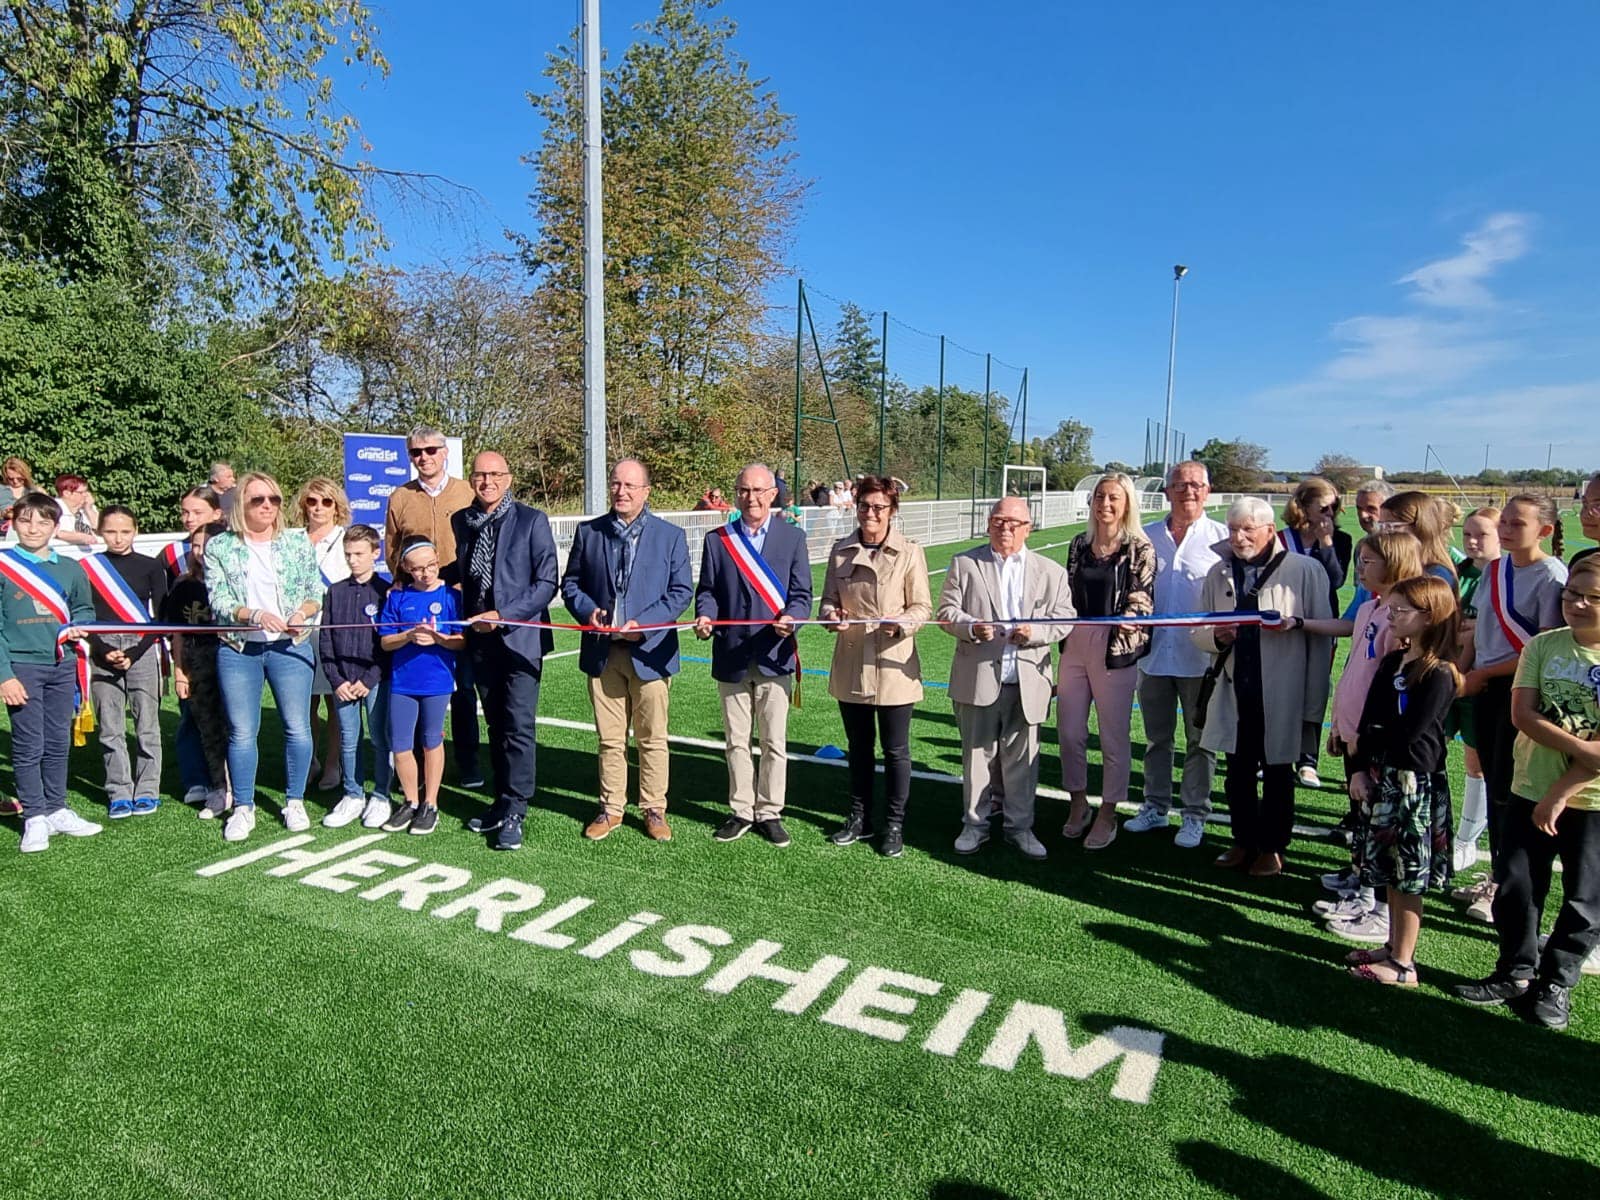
(700, 197)
(193, 149)
(1067, 455)
(1235, 466)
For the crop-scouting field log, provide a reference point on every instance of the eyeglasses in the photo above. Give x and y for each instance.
(419, 451)
(874, 509)
(260, 501)
(1581, 599)
(1396, 610)
(618, 486)
(320, 502)
(480, 476)
(1187, 485)
(1001, 523)
(753, 491)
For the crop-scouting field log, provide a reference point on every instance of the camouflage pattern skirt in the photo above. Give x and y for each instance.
(1405, 841)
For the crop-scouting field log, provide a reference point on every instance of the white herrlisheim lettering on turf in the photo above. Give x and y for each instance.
(865, 1004)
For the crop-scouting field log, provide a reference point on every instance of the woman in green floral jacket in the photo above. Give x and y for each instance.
(263, 576)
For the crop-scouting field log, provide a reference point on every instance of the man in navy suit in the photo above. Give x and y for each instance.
(506, 563)
(626, 569)
(755, 568)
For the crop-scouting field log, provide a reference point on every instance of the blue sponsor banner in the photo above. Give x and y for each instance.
(375, 464)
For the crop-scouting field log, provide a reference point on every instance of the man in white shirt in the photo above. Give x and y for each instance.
(1170, 674)
(994, 602)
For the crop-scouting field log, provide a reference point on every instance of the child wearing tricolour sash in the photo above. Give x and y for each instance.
(129, 588)
(1519, 596)
(1554, 812)
(416, 613)
(40, 592)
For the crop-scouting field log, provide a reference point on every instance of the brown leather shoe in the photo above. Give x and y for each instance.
(602, 825)
(1238, 856)
(1267, 864)
(655, 825)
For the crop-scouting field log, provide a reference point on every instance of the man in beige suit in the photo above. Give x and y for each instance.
(1001, 680)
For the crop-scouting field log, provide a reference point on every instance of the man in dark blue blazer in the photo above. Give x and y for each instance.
(755, 568)
(626, 569)
(506, 564)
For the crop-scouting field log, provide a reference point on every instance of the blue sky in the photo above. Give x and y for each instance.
(1388, 210)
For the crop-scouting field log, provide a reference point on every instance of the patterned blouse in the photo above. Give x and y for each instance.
(293, 561)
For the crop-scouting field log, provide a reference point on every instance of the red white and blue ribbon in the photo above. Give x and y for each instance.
(38, 586)
(1290, 539)
(757, 575)
(1518, 630)
(111, 587)
(176, 556)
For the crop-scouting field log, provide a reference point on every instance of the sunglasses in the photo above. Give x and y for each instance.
(263, 501)
(419, 451)
(319, 502)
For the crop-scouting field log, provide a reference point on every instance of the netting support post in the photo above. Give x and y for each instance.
(799, 375)
(883, 389)
(988, 413)
(1022, 439)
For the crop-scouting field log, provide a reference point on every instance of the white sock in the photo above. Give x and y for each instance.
(1474, 811)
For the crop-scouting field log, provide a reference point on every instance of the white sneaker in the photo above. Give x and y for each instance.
(1309, 777)
(1028, 844)
(972, 836)
(1147, 818)
(1463, 855)
(376, 813)
(294, 817)
(1372, 928)
(1351, 909)
(35, 835)
(1190, 833)
(195, 795)
(1591, 964)
(64, 820)
(347, 810)
(240, 824)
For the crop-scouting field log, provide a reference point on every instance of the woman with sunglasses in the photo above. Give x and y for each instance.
(879, 576)
(325, 512)
(263, 575)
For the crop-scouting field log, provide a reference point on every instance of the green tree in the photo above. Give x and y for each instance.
(88, 386)
(699, 200)
(1066, 455)
(1235, 466)
(1344, 472)
(858, 357)
(190, 148)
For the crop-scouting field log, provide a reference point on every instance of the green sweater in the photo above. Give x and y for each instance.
(27, 630)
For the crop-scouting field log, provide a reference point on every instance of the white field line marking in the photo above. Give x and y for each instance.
(1311, 831)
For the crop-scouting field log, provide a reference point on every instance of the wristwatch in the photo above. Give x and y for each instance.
(1299, 622)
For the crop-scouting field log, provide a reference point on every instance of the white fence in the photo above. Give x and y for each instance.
(930, 522)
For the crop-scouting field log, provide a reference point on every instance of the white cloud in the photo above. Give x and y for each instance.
(1457, 282)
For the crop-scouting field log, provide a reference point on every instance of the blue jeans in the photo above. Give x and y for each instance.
(192, 771)
(286, 669)
(376, 706)
(41, 734)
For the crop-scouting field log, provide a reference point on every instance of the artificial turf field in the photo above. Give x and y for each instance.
(250, 1034)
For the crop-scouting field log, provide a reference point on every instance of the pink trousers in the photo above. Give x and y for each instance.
(1084, 679)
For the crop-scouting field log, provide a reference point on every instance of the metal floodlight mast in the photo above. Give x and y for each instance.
(1178, 272)
(594, 295)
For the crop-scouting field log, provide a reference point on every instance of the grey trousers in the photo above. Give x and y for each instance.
(1159, 699)
(998, 733)
(114, 692)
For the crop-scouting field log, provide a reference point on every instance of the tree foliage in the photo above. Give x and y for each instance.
(1341, 470)
(699, 199)
(1235, 466)
(1067, 455)
(191, 148)
(88, 386)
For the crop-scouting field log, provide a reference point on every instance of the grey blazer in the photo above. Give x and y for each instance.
(971, 596)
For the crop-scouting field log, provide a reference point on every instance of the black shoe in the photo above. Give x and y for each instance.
(402, 817)
(1495, 989)
(489, 821)
(773, 831)
(893, 843)
(470, 782)
(855, 830)
(1545, 1004)
(732, 829)
(510, 833)
(426, 820)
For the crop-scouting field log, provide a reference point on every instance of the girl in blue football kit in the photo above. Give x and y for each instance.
(420, 628)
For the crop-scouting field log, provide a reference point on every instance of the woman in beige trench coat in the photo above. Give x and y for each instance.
(879, 576)
(1273, 679)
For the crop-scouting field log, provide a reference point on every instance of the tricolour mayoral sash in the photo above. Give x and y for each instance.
(39, 587)
(176, 556)
(761, 580)
(1290, 540)
(122, 600)
(1518, 629)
